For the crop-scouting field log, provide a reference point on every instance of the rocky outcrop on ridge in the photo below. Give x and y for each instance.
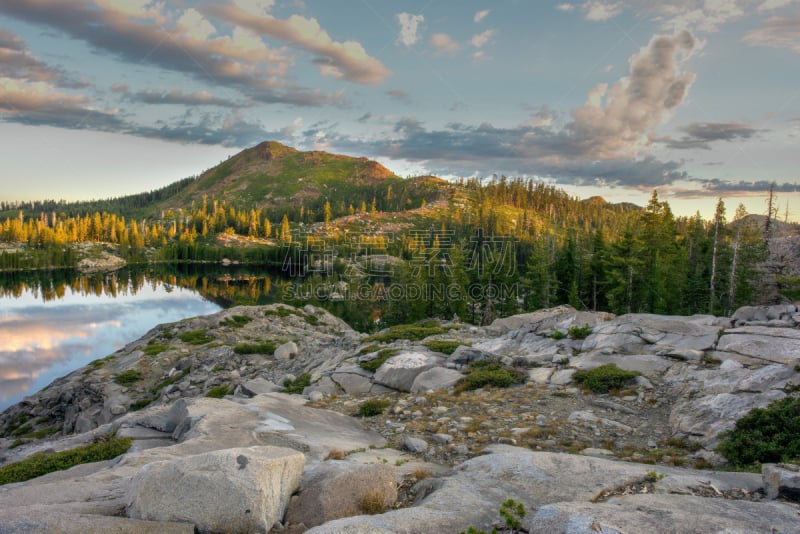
(698, 375)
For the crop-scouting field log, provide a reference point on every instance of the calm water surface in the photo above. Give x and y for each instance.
(49, 328)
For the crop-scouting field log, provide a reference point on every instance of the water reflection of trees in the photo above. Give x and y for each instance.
(229, 287)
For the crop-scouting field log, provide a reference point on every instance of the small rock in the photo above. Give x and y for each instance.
(316, 396)
(506, 441)
(286, 351)
(415, 445)
(781, 481)
(442, 439)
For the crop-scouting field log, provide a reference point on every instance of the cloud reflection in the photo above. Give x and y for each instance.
(40, 341)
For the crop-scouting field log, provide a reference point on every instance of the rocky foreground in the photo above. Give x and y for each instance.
(638, 459)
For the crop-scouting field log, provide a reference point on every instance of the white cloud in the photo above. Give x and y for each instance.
(443, 44)
(619, 121)
(608, 68)
(409, 28)
(599, 10)
(699, 15)
(769, 5)
(565, 7)
(777, 32)
(479, 40)
(195, 26)
(480, 15)
(258, 8)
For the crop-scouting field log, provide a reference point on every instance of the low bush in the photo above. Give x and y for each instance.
(445, 347)
(219, 391)
(604, 378)
(765, 435)
(195, 337)
(154, 349)
(236, 321)
(128, 378)
(281, 311)
(297, 385)
(373, 364)
(371, 503)
(412, 332)
(579, 332)
(42, 463)
(264, 347)
(372, 407)
(489, 373)
(557, 335)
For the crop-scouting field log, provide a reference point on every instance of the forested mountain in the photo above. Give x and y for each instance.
(336, 214)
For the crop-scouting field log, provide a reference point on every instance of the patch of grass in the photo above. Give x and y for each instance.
(297, 385)
(281, 311)
(489, 373)
(579, 332)
(372, 407)
(420, 473)
(557, 335)
(141, 403)
(264, 347)
(445, 347)
(604, 378)
(336, 454)
(196, 337)
(236, 321)
(42, 432)
(313, 320)
(128, 378)
(765, 435)
(368, 349)
(17, 442)
(680, 443)
(21, 430)
(40, 464)
(375, 363)
(219, 391)
(412, 332)
(153, 349)
(371, 503)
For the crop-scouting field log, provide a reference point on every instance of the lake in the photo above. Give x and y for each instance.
(54, 322)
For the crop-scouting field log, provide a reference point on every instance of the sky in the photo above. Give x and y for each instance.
(697, 99)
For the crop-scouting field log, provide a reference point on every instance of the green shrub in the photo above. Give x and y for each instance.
(42, 463)
(373, 364)
(264, 347)
(604, 378)
(372, 407)
(297, 385)
(413, 332)
(141, 403)
(236, 321)
(513, 512)
(368, 349)
(195, 337)
(557, 335)
(219, 391)
(579, 332)
(765, 435)
(445, 347)
(281, 311)
(128, 378)
(152, 349)
(21, 430)
(489, 373)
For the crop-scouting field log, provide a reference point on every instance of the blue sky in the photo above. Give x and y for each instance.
(695, 98)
